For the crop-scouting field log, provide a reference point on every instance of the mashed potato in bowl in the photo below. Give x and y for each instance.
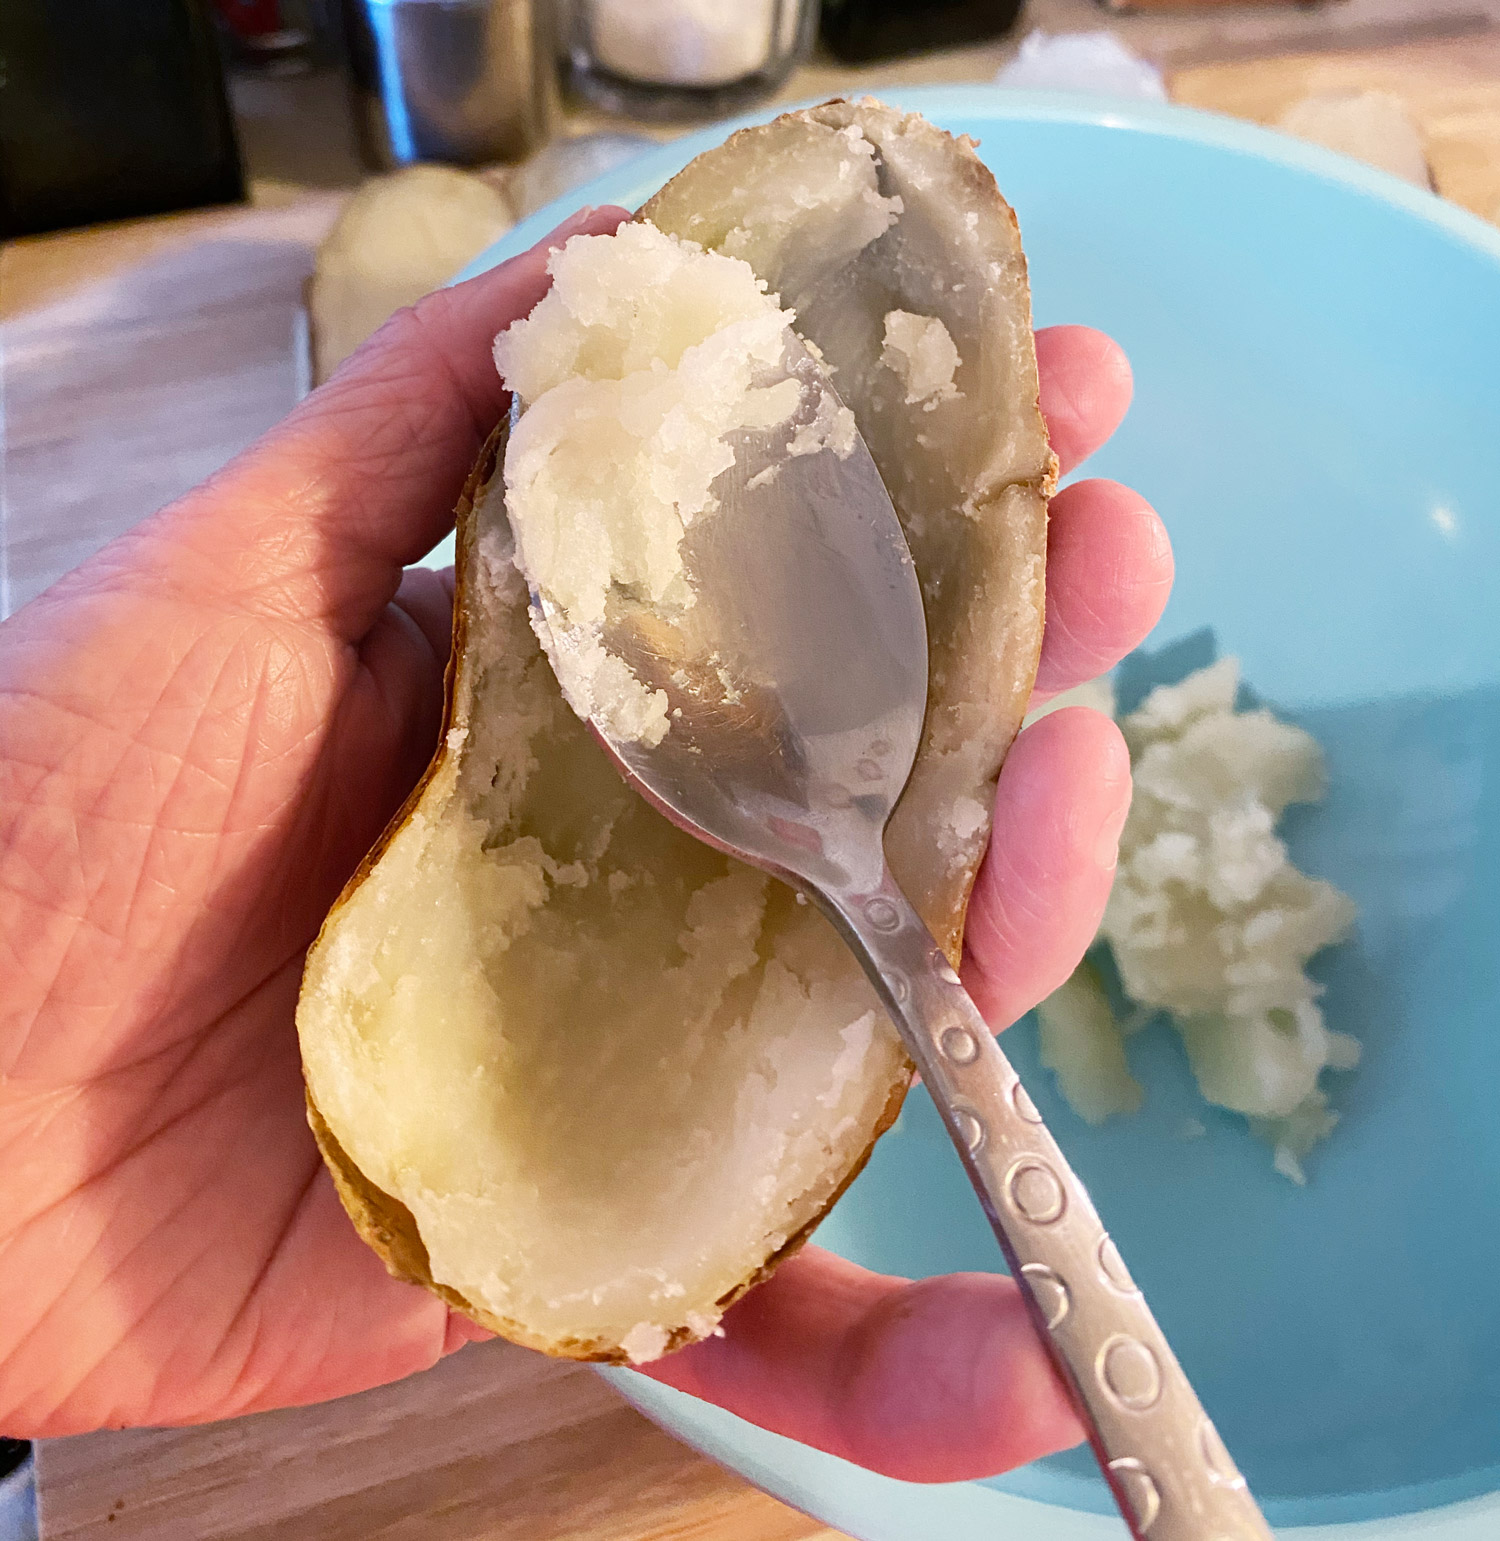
(1210, 921)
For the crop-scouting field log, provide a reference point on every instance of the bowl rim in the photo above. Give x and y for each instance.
(850, 1499)
(643, 174)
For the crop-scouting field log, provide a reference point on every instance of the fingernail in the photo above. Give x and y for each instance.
(1161, 542)
(1107, 845)
(571, 225)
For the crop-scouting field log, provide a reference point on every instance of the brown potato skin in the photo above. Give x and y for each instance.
(383, 1222)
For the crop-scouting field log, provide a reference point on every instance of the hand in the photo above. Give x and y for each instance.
(204, 728)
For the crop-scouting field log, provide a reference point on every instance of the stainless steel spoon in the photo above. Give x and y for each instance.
(797, 685)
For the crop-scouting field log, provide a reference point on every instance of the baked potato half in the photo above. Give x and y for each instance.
(584, 1077)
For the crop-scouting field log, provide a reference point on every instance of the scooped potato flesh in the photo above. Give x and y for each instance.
(610, 1073)
(639, 372)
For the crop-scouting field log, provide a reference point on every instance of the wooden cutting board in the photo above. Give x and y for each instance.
(1450, 88)
(494, 1444)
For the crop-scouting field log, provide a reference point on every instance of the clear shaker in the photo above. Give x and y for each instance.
(666, 59)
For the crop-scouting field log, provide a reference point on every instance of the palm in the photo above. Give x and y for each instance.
(203, 731)
(238, 767)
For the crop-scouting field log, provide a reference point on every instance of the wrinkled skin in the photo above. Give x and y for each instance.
(204, 728)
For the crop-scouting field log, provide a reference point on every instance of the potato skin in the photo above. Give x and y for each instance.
(381, 1220)
(984, 648)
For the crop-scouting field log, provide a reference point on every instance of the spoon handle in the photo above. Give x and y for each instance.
(1163, 1459)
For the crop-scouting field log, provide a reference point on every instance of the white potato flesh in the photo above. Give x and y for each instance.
(1209, 917)
(922, 354)
(637, 372)
(399, 237)
(1081, 1043)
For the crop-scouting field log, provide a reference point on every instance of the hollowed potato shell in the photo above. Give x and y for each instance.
(582, 1077)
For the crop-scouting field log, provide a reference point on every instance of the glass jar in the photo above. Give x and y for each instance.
(667, 59)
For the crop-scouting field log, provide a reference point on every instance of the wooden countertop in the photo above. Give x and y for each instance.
(1450, 87)
(138, 358)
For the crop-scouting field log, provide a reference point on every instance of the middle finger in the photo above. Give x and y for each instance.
(1109, 573)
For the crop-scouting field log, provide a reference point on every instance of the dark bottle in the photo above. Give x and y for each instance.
(860, 31)
(110, 109)
(12, 1453)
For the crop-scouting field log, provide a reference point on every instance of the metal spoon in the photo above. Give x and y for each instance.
(797, 684)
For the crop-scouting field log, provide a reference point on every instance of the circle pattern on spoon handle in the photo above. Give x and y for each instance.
(1129, 1372)
(959, 1044)
(1140, 1489)
(1050, 1293)
(1168, 1469)
(1112, 1267)
(970, 1129)
(1035, 1191)
(1171, 1475)
(1020, 1100)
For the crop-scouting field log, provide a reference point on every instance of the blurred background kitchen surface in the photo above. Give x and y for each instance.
(137, 356)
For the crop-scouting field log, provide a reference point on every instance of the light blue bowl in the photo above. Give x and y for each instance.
(1317, 416)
